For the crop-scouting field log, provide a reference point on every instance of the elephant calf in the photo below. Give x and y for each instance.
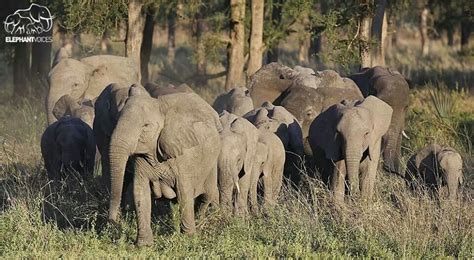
(68, 146)
(346, 140)
(68, 106)
(237, 101)
(436, 166)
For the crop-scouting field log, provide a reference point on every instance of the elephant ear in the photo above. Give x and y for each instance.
(65, 106)
(381, 115)
(226, 119)
(245, 128)
(136, 90)
(323, 132)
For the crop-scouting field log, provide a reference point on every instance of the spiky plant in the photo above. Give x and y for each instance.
(442, 100)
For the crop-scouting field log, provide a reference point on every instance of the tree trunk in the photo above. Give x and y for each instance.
(135, 27)
(364, 34)
(256, 37)
(171, 36)
(201, 63)
(41, 63)
(466, 26)
(235, 49)
(21, 69)
(379, 33)
(104, 43)
(274, 52)
(304, 41)
(147, 45)
(315, 45)
(424, 31)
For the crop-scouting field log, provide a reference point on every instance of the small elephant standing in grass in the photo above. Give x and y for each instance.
(237, 101)
(68, 146)
(174, 140)
(68, 106)
(436, 166)
(248, 153)
(346, 141)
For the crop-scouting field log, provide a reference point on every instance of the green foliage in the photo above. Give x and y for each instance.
(443, 101)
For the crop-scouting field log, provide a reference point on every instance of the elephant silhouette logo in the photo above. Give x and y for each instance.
(34, 20)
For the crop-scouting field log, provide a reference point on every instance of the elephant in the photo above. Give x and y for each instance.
(304, 95)
(278, 120)
(156, 90)
(237, 101)
(436, 166)
(236, 161)
(68, 106)
(64, 52)
(391, 87)
(107, 108)
(86, 78)
(68, 146)
(241, 166)
(174, 140)
(346, 140)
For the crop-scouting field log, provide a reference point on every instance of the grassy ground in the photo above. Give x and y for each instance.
(395, 224)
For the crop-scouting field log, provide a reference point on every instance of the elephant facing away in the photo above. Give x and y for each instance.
(436, 166)
(68, 146)
(391, 87)
(346, 141)
(237, 101)
(174, 140)
(278, 120)
(156, 90)
(68, 106)
(86, 78)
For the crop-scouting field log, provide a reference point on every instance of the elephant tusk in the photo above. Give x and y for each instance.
(405, 135)
(237, 187)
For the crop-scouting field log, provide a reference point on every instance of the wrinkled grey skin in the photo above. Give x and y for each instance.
(86, 78)
(175, 141)
(68, 146)
(278, 120)
(346, 140)
(269, 165)
(436, 166)
(236, 162)
(304, 95)
(68, 106)
(391, 87)
(237, 101)
(64, 52)
(156, 90)
(107, 111)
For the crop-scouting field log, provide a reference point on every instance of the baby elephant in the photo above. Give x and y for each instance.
(68, 146)
(436, 166)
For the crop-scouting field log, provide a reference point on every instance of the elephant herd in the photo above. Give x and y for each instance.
(166, 141)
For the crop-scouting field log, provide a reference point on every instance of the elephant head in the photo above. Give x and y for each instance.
(156, 90)
(157, 129)
(40, 14)
(352, 131)
(237, 101)
(68, 144)
(450, 167)
(67, 106)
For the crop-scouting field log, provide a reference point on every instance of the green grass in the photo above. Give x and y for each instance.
(395, 224)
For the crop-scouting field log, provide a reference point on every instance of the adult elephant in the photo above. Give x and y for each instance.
(156, 90)
(67, 106)
(391, 87)
(346, 140)
(175, 141)
(86, 78)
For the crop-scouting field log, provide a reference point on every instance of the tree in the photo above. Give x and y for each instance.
(41, 61)
(21, 69)
(379, 33)
(364, 34)
(147, 44)
(466, 27)
(235, 49)
(201, 63)
(424, 30)
(256, 37)
(277, 7)
(136, 24)
(171, 42)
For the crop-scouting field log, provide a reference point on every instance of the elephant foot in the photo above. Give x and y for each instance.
(143, 241)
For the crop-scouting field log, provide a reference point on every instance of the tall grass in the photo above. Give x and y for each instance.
(397, 223)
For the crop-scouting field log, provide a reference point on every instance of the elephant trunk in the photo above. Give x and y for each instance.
(453, 184)
(120, 150)
(392, 140)
(353, 156)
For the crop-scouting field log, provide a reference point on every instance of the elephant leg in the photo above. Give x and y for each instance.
(338, 181)
(253, 196)
(186, 206)
(369, 175)
(142, 198)
(105, 172)
(268, 196)
(241, 206)
(211, 192)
